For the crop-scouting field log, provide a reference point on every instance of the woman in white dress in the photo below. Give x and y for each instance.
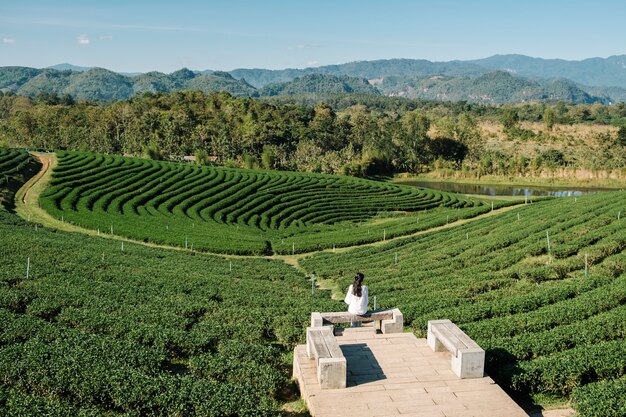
(357, 297)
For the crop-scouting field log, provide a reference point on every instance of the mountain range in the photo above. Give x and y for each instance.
(494, 80)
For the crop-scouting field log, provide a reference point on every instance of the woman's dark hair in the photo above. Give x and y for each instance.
(358, 284)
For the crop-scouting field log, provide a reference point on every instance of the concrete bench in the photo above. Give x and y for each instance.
(468, 359)
(322, 346)
(391, 321)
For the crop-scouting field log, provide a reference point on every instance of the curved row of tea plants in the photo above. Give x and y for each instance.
(240, 211)
(548, 323)
(15, 166)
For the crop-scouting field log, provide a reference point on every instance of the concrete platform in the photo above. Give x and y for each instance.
(398, 374)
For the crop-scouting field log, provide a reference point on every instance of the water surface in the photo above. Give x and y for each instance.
(506, 190)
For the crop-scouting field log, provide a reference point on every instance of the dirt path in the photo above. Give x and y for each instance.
(27, 206)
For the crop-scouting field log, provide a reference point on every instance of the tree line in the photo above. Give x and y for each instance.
(344, 134)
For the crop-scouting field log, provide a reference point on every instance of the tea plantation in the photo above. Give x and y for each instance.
(548, 325)
(97, 330)
(240, 211)
(94, 328)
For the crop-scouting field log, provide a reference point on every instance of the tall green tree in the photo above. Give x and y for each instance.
(548, 118)
(509, 119)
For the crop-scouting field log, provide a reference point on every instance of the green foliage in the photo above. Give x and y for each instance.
(621, 136)
(509, 119)
(601, 399)
(549, 118)
(153, 152)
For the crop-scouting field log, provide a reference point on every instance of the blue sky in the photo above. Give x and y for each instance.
(168, 35)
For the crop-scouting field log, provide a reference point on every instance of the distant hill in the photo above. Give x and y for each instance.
(605, 72)
(99, 84)
(496, 87)
(363, 69)
(493, 80)
(320, 84)
(69, 67)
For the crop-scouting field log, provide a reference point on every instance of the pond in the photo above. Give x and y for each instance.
(505, 190)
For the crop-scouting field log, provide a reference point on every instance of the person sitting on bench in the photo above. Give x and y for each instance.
(357, 298)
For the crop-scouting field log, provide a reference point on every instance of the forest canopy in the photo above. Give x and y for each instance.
(347, 134)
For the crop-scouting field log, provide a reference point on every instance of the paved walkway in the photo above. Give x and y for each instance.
(398, 374)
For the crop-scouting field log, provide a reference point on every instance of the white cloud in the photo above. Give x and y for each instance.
(8, 40)
(106, 37)
(303, 46)
(312, 63)
(83, 40)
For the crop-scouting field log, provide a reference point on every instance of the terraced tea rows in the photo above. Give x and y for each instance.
(14, 164)
(95, 330)
(240, 211)
(548, 325)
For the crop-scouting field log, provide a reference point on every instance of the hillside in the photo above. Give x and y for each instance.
(261, 212)
(320, 84)
(364, 69)
(496, 87)
(495, 80)
(605, 72)
(99, 84)
(103, 327)
(551, 327)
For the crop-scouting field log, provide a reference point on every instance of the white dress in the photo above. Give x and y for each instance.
(357, 305)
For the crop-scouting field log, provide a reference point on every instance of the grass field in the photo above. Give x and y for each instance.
(104, 327)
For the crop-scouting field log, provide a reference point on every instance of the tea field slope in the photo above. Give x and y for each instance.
(97, 330)
(15, 166)
(240, 211)
(548, 325)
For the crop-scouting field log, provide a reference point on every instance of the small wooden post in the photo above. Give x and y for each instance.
(396, 258)
(312, 283)
(586, 266)
(517, 216)
(293, 248)
(619, 214)
(230, 266)
(492, 206)
(111, 229)
(333, 248)
(384, 234)
(27, 267)
(548, 239)
(122, 246)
